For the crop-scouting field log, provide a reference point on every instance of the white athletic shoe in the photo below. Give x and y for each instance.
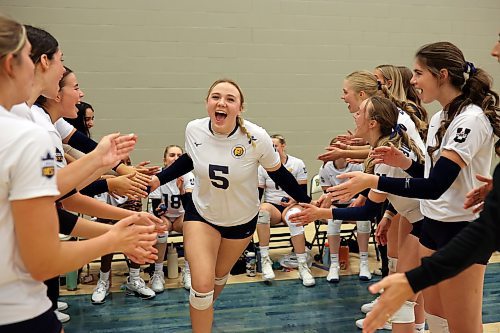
(186, 278)
(305, 275)
(367, 307)
(333, 274)
(61, 306)
(267, 268)
(138, 288)
(387, 325)
(100, 292)
(62, 317)
(364, 271)
(158, 282)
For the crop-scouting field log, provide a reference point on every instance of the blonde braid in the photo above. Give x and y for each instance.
(239, 120)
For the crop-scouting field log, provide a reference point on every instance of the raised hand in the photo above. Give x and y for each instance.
(147, 170)
(475, 198)
(332, 154)
(126, 185)
(113, 148)
(358, 181)
(391, 156)
(396, 291)
(310, 213)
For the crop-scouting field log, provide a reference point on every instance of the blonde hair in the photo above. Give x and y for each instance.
(239, 119)
(385, 112)
(392, 73)
(12, 36)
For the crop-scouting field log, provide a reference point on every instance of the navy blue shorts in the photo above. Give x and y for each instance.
(436, 234)
(416, 228)
(234, 232)
(278, 207)
(45, 323)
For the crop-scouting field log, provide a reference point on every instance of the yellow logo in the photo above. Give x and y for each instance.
(238, 151)
(48, 166)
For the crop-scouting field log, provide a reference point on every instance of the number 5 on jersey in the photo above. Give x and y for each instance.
(216, 172)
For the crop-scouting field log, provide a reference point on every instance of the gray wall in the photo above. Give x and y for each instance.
(146, 65)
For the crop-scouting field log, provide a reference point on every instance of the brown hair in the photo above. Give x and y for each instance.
(280, 138)
(171, 146)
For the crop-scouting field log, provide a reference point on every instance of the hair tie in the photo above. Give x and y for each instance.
(469, 68)
(379, 85)
(398, 129)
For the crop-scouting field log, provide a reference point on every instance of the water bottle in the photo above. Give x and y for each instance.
(71, 280)
(326, 255)
(250, 263)
(172, 263)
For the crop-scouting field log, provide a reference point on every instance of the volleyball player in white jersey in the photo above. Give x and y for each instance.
(32, 251)
(170, 195)
(273, 211)
(459, 145)
(328, 177)
(224, 151)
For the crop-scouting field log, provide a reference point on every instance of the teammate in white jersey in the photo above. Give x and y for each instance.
(29, 240)
(459, 146)
(170, 195)
(274, 210)
(224, 151)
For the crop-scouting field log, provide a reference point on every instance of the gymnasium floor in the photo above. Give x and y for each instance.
(249, 305)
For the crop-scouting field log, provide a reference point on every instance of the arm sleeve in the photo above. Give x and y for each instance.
(473, 244)
(391, 208)
(95, 188)
(416, 170)
(440, 179)
(284, 179)
(82, 142)
(154, 204)
(183, 165)
(369, 210)
(187, 200)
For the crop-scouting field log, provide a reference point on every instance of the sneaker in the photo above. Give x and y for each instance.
(387, 325)
(100, 292)
(138, 288)
(267, 268)
(305, 275)
(62, 317)
(364, 271)
(333, 274)
(186, 278)
(61, 306)
(158, 282)
(367, 307)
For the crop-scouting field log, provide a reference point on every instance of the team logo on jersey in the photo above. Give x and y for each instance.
(48, 166)
(59, 156)
(252, 138)
(238, 151)
(461, 135)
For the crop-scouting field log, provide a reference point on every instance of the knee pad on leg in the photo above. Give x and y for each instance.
(294, 230)
(363, 227)
(162, 238)
(220, 281)
(393, 264)
(405, 314)
(437, 324)
(200, 301)
(333, 228)
(264, 217)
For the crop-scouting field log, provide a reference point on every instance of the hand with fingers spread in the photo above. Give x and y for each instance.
(382, 230)
(396, 291)
(125, 185)
(358, 181)
(154, 183)
(332, 154)
(475, 198)
(391, 156)
(113, 148)
(147, 170)
(310, 213)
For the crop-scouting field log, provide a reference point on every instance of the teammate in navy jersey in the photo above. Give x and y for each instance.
(224, 152)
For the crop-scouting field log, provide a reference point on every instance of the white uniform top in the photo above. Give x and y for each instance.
(171, 195)
(27, 171)
(225, 170)
(272, 192)
(470, 135)
(43, 119)
(407, 207)
(328, 174)
(62, 126)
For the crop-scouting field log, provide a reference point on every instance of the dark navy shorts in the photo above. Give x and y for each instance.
(436, 234)
(416, 228)
(234, 232)
(278, 207)
(45, 323)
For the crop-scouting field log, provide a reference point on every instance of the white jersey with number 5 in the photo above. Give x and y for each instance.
(225, 169)
(272, 192)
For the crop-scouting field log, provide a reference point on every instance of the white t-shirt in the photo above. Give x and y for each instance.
(328, 174)
(23, 111)
(411, 129)
(225, 170)
(63, 128)
(470, 135)
(43, 119)
(170, 194)
(272, 192)
(27, 171)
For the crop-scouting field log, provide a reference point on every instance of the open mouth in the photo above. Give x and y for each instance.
(419, 91)
(220, 115)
